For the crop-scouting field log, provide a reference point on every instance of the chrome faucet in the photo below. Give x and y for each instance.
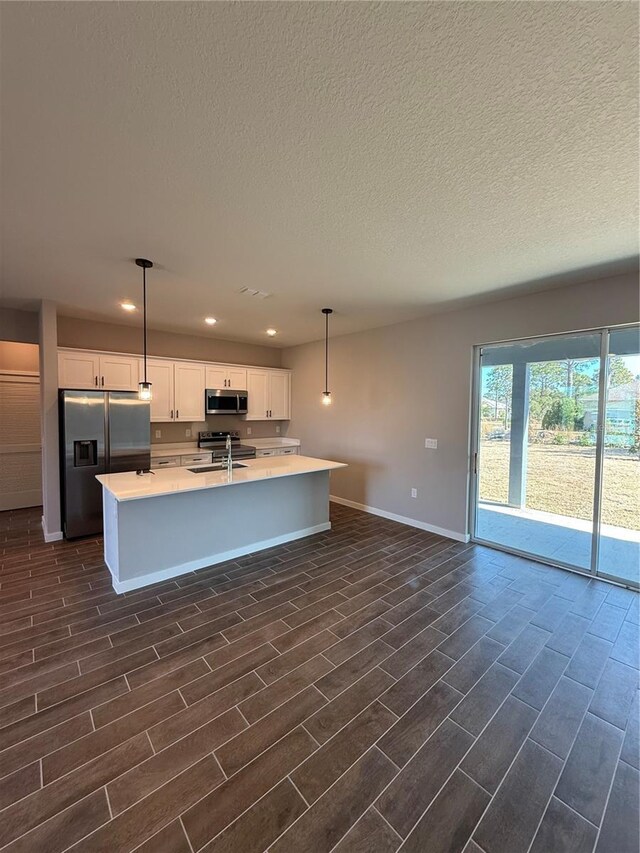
(229, 457)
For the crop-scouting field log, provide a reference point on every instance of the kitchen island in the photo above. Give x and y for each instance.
(171, 522)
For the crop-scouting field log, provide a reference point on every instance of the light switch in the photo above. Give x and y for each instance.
(431, 443)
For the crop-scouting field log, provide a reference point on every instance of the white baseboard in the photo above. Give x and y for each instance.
(402, 519)
(204, 562)
(50, 537)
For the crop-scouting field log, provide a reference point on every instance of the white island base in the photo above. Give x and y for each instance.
(160, 526)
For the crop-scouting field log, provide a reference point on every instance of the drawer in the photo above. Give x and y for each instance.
(288, 451)
(271, 452)
(165, 462)
(196, 459)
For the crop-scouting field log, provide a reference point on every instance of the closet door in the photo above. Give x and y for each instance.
(20, 450)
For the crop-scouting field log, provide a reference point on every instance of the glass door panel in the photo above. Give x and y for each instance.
(619, 540)
(536, 466)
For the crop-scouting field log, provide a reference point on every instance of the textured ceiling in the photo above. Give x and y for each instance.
(384, 159)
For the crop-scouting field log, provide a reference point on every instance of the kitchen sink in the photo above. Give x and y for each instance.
(205, 468)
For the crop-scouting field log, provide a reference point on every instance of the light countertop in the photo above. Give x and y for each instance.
(169, 481)
(276, 441)
(189, 447)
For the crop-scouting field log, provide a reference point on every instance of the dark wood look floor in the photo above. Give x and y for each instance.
(372, 688)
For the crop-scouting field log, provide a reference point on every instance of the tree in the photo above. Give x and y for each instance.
(497, 384)
(619, 373)
(545, 381)
(561, 415)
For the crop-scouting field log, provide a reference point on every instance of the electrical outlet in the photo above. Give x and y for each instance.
(158, 433)
(414, 493)
(431, 443)
(278, 429)
(187, 433)
(248, 430)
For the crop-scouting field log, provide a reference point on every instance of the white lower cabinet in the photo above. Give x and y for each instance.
(165, 462)
(196, 459)
(277, 451)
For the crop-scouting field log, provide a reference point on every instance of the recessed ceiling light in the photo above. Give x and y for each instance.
(272, 332)
(210, 321)
(128, 306)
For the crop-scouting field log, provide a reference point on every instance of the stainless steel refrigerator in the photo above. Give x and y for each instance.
(101, 432)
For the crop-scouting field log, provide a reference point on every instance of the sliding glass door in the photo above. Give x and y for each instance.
(619, 541)
(556, 450)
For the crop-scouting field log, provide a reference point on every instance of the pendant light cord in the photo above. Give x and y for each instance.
(326, 353)
(144, 309)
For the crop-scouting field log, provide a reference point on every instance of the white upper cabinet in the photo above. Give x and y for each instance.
(258, 394)
(79, 370)
(222, 376)
(119, 373)
(177, 390)
(177, 387)
(160, 374)
(216, 375)
(85, 370)
(269, 395)
(237, 378)
(279, 395)
(189, 391)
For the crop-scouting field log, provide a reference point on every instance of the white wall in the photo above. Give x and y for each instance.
(394, 386)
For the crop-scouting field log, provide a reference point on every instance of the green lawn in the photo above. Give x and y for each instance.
(560, 479)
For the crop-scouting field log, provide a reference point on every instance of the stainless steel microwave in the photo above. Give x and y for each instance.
(225, 401)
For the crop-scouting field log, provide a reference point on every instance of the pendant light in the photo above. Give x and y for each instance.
(326, 394)
(144, 387)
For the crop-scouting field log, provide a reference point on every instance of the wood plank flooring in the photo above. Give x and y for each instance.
(370, 688)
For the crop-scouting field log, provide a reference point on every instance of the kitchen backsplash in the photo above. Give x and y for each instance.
(171, 433)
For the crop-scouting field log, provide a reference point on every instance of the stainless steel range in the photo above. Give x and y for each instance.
(216, 443)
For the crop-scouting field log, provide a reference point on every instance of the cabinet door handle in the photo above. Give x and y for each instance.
(177, 414)
(103, 381)
(171, 414)
(96, 381)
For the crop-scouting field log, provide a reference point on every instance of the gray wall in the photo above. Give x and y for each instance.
(20, 357)
(89, 334)
(20, 326)
(393, 387)
(49, 421)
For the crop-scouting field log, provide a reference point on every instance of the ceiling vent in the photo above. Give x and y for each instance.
(259, 294)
